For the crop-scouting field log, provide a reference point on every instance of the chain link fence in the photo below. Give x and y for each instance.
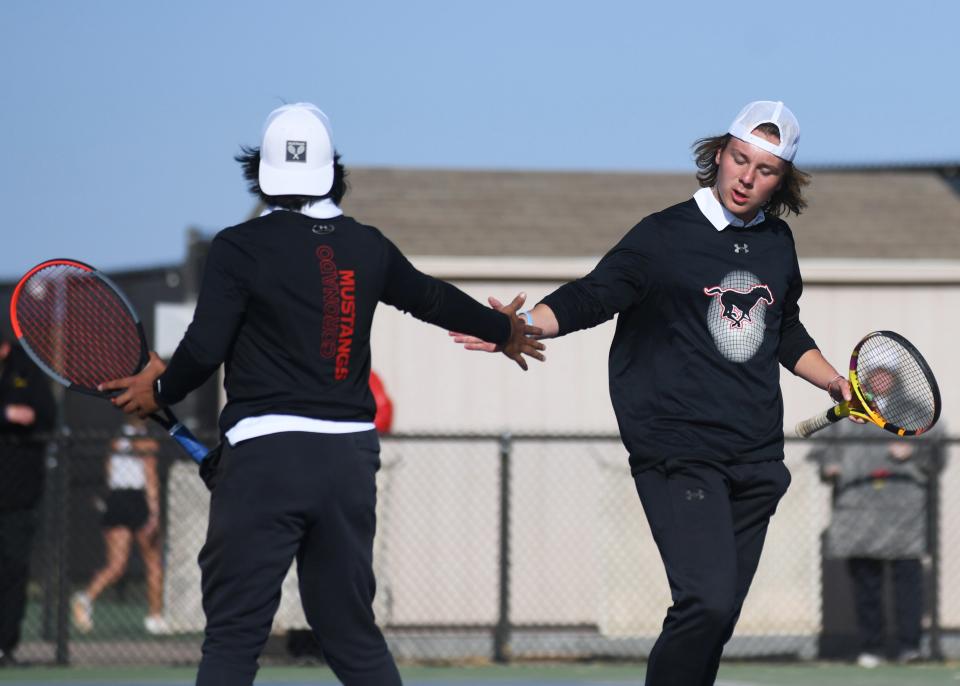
(488, 548)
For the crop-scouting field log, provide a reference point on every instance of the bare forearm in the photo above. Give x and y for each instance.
(814, 368)
(543, 317)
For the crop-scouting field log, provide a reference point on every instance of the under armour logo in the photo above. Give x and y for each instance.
(695, 494)
(741, 247)
(296, 151)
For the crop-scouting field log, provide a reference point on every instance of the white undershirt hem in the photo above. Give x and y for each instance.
(264, 425)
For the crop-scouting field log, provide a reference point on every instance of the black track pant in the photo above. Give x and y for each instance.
(16, 537)
(709, 522)
(867, 575)
(284, 496)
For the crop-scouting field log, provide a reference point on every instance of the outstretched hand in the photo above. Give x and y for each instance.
(518, 344)
(137, 391)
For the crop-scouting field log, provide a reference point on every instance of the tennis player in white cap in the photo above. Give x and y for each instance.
(286, 304)
(707, 296)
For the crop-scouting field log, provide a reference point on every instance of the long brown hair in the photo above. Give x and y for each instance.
(789, 194)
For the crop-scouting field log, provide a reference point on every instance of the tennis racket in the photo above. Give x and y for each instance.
(80, 329)
(892, 386)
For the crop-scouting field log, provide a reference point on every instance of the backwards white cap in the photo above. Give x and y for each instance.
(768, 112)
(296, 156)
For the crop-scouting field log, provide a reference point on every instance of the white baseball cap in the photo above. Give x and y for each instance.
(296, 156)
(768, 112)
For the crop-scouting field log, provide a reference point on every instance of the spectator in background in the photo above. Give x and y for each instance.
(26, 409)
(879, 519)
(132, 513)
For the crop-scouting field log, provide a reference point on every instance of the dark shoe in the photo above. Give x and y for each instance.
(910, 656)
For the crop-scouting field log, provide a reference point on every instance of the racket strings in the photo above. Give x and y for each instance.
(89, 353)
(896, 384)
(78, 351)
(94, 333)
(78, 326)
(98, 311)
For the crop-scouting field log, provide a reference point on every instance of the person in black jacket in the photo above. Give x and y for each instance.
(707, 296)
(26, 409)
(286, 303)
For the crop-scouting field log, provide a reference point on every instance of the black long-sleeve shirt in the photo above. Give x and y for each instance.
(21, 453)
(705, 316)
(287, 302)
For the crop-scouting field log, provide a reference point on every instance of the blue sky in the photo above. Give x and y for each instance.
(120, 119)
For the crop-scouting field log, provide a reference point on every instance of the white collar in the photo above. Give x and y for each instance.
(325, 208)
(717, 214)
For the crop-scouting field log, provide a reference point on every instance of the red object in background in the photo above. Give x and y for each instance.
(384, 417)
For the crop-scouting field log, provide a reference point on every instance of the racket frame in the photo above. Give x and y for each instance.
(25, 344)
(168, 420)
(859, 407)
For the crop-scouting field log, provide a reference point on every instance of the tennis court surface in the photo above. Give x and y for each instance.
(735, 674)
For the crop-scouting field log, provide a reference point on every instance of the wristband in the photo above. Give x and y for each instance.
(527, 316)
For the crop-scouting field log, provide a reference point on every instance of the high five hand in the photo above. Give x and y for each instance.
(520, 342)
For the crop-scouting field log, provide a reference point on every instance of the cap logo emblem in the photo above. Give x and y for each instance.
(296, 151)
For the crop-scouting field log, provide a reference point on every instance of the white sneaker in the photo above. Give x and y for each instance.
(82, 610)
(156, 625)
(869, 660)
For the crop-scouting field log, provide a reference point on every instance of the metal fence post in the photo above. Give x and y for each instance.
(934, 542)
(61, 536)
(56, 580)
(48, 526)
(501, 632)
